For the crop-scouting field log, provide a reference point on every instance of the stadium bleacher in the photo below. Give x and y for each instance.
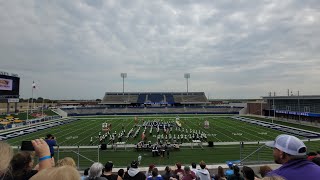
(192, 97)
(169, 98)
(155, 98)
(153, 103)
(141, 99)
(151, 110)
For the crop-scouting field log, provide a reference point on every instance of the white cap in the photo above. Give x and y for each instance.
(289, 144)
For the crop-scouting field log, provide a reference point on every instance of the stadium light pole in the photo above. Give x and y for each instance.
(269, 102)
(28, 112)
(187, 77)
(261, 108)
(123, 75)
(299, 111)
(274, 107)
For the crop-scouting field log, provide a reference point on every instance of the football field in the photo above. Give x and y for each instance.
(221, 129)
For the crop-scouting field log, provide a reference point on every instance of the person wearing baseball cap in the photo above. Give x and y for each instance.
(229, 172)
(291, 153)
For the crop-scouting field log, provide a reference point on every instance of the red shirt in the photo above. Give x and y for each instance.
(179, 171)
(189, 176)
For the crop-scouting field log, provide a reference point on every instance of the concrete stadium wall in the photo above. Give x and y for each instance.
(243, 111)
(73, 114)
(61, 112)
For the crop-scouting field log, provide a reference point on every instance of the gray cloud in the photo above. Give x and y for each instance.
(243, 49)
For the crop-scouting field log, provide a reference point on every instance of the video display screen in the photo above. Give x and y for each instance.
(9, 85)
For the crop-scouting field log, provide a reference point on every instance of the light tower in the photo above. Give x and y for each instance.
(123, 75)
(187, 77)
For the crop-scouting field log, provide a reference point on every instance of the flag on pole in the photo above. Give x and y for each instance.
(33, 85)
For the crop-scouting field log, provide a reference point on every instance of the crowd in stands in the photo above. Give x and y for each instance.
(288, 151)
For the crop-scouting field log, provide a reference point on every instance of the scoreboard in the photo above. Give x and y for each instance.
(9, 85)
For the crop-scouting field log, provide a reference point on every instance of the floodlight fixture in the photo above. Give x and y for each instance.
(187, 77)
(123, 75)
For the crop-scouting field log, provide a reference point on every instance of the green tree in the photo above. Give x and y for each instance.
(39, 100)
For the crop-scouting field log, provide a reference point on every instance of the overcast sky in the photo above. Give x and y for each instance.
(232, 49)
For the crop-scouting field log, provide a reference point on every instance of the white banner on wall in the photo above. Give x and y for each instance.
(13, 100)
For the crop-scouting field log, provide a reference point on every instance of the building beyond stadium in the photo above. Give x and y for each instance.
(294, 107)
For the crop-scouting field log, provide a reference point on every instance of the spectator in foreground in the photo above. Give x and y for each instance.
(189, 175)
(236, 174)
(264, 170)
(120, 174)
(291, 153)
(67, 161)
(178, 170)
(167, 174)
(248, 173)
(95, 172)
(134, 173)
(21, 165)
(194, 168)
(108, 171)
(6, 154)
(155, 175)
(203, 173)
(229, 171)
(220, 174)
(62, 172)
(85, 174)
(22, 162)
(149, 172)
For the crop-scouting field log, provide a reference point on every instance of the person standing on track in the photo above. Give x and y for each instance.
(91, 141)
(51, 141)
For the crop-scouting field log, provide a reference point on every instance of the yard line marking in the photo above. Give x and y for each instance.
(229, 130)
(54, 130)
(258, 128)
(224, 134)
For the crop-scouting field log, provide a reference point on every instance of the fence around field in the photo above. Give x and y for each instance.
(243, 153)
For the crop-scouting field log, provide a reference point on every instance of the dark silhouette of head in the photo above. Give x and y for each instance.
(248, 173)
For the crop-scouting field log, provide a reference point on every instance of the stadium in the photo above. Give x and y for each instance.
(185, 124)
(159, 90)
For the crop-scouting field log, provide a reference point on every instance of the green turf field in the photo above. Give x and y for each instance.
(222, 129)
